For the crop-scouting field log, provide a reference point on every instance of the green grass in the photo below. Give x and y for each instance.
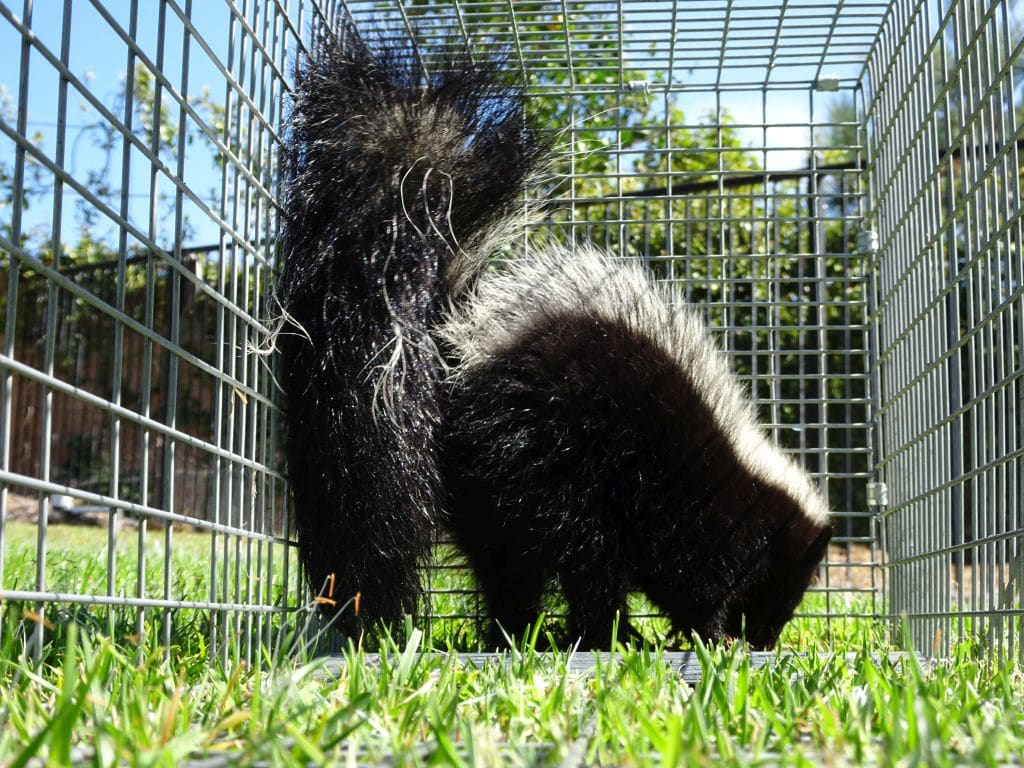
(110, 701)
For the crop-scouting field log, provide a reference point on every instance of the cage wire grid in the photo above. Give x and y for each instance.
(836, 185)
(762, 241)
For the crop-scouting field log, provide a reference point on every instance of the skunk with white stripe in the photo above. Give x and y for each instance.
(589, 434)
(594, 435)
(395, 181)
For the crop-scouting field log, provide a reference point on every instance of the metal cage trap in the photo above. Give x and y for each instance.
(836, 184)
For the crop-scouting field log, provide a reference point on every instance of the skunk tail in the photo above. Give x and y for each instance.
(396, 183)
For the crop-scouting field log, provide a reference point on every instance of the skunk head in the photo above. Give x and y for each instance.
(775, 580)
(771, 601)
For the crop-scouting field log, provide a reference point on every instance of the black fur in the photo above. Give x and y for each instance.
(578, 450)
(392, 181)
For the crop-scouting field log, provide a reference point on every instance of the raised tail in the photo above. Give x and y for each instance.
(396, 181)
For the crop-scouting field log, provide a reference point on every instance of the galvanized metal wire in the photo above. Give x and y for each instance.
(836, 184)
(943, 98)
(132, 383)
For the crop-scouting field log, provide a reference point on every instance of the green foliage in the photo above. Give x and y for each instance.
(843, 132)
(152, 118)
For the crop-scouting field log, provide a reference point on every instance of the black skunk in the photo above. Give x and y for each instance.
(595, 435)
(394, 181)
(589, 433)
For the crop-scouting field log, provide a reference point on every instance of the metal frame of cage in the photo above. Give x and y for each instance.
(945, 141)
(861, 267)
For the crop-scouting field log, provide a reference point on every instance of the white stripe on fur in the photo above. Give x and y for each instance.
(506, 302)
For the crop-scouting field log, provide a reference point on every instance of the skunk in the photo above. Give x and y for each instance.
(587, 433)
(395, 181)
(594, 435)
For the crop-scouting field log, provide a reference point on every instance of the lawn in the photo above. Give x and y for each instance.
(833, 696)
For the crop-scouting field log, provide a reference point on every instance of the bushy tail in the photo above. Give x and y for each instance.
(396, 181)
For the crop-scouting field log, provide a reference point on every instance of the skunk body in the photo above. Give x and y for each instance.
(594, 435)
(394, 183)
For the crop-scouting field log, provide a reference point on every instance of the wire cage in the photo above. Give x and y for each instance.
(836, 185)
(137, 230)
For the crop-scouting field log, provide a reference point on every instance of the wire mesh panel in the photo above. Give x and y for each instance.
(943, 102)
(138, 179)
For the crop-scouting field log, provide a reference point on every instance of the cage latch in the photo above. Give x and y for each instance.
(639, 86)
(878, 494)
